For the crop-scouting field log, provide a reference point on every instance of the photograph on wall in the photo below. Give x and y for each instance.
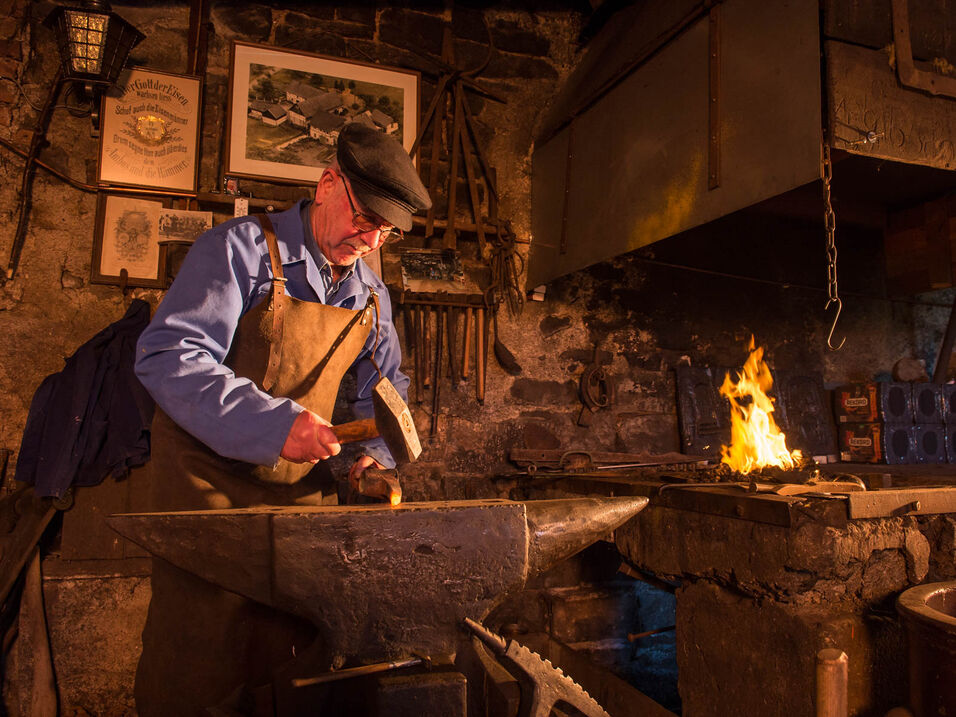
(127, 238)
(150, 131)
(286, 109)
(183, 225)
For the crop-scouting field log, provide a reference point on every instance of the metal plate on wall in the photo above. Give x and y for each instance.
(865, 96)
(804, 413)
(704, 413)
(639, 155)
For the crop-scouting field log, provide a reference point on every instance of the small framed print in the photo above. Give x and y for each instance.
(126, 239)
(182, 225)
(287, 107)
(150, 132)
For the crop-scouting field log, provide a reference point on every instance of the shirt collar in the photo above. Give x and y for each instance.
(323, 264)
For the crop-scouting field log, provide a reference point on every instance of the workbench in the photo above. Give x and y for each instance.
(767, 580)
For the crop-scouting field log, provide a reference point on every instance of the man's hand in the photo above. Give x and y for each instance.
(310, 440)
(361, 463)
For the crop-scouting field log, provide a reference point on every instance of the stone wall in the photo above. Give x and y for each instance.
(644, 316)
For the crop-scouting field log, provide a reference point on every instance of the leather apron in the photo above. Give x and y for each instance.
(289, 348)
(201, 643)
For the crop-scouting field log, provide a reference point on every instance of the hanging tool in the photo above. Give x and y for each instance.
(416, 312)
(466, 353)
(453, 372)
(436, 382)
(427, 352)
(595, 389)
(505, 358)
(480, 355)
(551, 685)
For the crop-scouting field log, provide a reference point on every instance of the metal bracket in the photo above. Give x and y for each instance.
(931, 82)
(713, 160)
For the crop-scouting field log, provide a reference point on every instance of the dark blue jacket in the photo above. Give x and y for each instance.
(91, 419)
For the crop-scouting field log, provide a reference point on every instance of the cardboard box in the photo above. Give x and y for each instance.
(861, 442)
(873, 401)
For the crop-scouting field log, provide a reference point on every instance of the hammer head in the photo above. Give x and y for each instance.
(394, 423)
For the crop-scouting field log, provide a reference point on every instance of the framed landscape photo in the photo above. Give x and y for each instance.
(127, 238)
(149, 131)
(286, 109)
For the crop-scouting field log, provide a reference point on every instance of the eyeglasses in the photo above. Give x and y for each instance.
(364, 223)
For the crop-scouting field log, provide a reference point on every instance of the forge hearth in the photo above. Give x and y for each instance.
(769, 574)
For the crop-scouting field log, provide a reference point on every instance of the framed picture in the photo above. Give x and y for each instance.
(127, 238)
(182, 225)
(286, 109)
(149, 131)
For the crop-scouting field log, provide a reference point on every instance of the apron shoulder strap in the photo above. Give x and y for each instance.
(276, 301)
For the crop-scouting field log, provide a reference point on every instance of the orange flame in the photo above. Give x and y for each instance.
(755, 440)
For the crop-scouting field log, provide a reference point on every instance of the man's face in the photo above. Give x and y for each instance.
(343, 229)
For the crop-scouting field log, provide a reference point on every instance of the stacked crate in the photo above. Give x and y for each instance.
(948, 408)
(896, 423)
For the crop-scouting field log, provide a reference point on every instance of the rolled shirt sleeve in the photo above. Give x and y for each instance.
(180, 354)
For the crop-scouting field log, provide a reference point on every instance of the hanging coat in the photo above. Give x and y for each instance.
(90, 420)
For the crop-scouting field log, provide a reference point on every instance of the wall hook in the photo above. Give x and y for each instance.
(839, 305)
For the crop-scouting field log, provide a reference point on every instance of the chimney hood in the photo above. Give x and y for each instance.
(684, 111)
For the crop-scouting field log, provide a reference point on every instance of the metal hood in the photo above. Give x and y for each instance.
(682, 112)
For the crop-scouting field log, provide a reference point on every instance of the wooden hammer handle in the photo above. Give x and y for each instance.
(352, 431)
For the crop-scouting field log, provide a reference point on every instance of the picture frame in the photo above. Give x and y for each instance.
(126, 239)
(150, 132)
(286, 108)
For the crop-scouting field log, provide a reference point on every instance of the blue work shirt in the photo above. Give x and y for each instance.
(179, 356)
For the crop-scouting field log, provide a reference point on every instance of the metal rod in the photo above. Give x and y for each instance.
(785, 284)
(26, 179)
(832, 700)
(946, 349)
(634, 636)
(466, 350)
(436, 376)
(416, 312)
(356, 672)
(480, 333)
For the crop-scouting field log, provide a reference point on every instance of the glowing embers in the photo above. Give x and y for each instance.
(755, 440)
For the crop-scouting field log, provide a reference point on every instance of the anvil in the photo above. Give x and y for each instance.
(380, 582)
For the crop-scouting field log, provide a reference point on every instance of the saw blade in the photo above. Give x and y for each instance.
(551, 684)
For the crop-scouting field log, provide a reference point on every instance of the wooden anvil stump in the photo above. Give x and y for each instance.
(380, 582)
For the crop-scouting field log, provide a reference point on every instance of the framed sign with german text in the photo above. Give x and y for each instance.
(150, 131)
(286, 109)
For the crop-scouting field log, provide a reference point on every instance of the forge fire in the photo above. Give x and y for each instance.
(755, 440)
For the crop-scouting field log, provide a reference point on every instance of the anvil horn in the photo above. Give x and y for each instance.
(379, 581)
(560, 528)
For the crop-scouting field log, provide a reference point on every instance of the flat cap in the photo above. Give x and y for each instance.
(382, 174)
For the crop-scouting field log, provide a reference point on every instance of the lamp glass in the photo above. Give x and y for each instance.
(87, 33)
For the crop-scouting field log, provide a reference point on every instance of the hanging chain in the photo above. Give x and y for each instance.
(833, 293)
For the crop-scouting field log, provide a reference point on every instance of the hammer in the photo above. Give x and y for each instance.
(393, 422)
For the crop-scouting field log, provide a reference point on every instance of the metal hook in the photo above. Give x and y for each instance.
(839, 305)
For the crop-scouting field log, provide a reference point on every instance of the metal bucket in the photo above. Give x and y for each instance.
(929, 615)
